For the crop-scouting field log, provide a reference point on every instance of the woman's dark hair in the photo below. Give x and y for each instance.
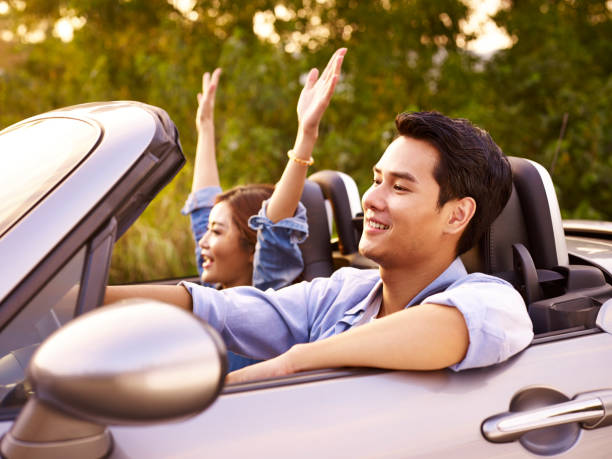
(470, 164)
(245, 201)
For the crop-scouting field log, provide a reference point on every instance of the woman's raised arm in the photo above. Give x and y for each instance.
(313, 101)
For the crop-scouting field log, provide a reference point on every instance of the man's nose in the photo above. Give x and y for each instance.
(373, 198)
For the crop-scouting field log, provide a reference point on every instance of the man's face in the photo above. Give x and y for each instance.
(403, 224)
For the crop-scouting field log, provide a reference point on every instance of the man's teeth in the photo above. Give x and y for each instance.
(377, 225)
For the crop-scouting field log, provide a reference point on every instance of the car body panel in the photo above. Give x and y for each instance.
(50, 223)
(388, 414)
(37, 155)
(591, 242)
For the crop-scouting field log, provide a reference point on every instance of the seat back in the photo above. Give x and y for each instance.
(316, 249)
(340, 190)
(531, 218)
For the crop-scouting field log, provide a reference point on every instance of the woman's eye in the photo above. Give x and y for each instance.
(376, 181)
(399, 188)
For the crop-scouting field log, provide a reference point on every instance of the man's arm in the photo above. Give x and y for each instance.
(171, 294)
(424, 337)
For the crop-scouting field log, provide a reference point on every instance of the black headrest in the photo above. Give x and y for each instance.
(531, 217)
(343, 195)
(316, 249)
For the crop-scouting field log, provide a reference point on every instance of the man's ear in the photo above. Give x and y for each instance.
(461, 212)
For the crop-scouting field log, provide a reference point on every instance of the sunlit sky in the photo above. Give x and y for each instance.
(490, 37)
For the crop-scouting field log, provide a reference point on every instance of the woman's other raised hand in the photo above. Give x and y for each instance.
(205, 171)
(206, 98)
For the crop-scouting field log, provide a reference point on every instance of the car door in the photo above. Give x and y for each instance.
(371, 413)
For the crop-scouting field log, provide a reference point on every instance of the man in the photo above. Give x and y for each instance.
(436, 189)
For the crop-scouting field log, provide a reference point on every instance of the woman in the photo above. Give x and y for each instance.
(249, 235)
(226, 254)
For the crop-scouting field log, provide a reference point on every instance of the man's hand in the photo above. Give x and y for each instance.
(206, 99)
(278, 366)
(317, 93)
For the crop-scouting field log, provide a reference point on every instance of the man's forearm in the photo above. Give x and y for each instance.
(171, 294)
(425, 337)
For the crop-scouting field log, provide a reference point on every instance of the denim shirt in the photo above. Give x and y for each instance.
(265, 324)
(277, 260)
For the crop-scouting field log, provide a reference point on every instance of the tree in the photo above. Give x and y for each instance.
(403, 55)
(561, 64)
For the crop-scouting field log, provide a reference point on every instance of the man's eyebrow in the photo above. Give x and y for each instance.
(398, 174)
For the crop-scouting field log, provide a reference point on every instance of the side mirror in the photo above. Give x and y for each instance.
(131, 363)
(604, 317)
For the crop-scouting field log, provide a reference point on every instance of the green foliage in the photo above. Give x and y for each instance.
(402, 56)
(561, 64)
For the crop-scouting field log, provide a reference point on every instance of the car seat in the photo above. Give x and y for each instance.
(316, 249)
(345, 212)
(526, 246)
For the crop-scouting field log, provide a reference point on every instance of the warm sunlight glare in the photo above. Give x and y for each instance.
(490, 38)
(64, 30)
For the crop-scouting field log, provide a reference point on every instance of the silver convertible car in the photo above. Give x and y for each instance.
(146, 380)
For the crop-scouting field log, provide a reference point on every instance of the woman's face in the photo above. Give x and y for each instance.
(226, 261)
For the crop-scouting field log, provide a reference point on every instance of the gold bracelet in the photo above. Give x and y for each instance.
(301, 161)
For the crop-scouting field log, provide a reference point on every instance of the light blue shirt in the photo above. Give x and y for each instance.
(265, 324)
(277, 260)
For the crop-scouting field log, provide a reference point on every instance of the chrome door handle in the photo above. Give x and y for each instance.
(592, 409)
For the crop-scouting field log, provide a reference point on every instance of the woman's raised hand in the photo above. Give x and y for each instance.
(206, 98)
(313, 101)
(317, 93)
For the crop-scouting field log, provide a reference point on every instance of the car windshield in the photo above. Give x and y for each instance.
(36, 156)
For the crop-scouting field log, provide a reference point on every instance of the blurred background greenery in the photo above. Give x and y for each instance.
(543, 90)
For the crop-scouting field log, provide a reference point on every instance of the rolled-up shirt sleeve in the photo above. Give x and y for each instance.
(278, 259)
(253, 323)
(495, 315)
(198, 207)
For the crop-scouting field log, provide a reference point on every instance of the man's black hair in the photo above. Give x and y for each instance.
(470, 164)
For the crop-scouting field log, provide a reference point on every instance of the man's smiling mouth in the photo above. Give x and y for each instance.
(376, 225)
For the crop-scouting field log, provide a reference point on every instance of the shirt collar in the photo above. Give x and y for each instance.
(454, 272)
(362, 305)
